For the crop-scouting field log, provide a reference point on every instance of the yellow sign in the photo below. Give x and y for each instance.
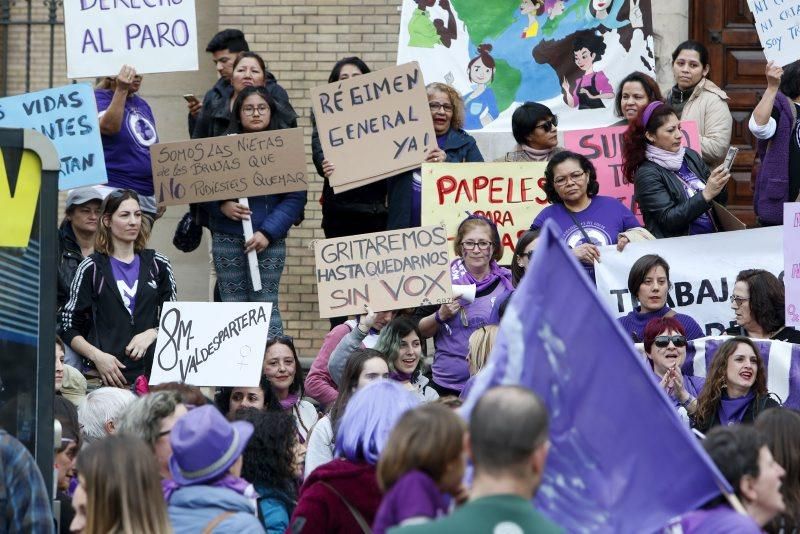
(18, 207)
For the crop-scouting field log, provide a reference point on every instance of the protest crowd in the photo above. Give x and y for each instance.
(399, 424)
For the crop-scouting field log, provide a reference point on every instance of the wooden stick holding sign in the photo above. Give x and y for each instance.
(252, 256)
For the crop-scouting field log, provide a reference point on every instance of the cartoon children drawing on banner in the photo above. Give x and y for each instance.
(480, 105)
(426, 33)
(593, 87)
(599, 9)
(537, 8)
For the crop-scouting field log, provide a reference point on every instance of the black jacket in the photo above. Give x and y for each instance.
(662, 199)
(95, 309)
(69, 257)
(758, 405)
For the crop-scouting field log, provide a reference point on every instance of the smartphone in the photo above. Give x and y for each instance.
(191, 99)
(730, 157)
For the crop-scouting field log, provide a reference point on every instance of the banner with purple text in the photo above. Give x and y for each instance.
(791, 261)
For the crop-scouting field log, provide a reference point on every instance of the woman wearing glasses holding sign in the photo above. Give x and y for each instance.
(477, 245)
(454, 145)
(758, 300)
(272, 217)
(587, 221)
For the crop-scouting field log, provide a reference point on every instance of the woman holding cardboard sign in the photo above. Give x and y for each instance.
(271, 215)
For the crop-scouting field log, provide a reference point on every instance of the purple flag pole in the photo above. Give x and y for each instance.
(620, 460)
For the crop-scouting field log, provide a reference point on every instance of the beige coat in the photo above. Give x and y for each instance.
(708, 107)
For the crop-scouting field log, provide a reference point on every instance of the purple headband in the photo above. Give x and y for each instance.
(648, 111)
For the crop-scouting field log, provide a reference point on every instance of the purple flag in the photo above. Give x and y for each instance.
(620, 459)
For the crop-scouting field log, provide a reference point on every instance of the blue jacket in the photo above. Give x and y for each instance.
(272, 510)
(459, 146)
(192, 508)
(272, 214)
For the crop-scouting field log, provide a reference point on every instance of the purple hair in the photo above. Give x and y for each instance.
(369, 418)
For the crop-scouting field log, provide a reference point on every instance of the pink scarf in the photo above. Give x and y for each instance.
(664, 158)
(536, 154)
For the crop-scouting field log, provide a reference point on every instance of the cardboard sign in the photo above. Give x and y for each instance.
(791, 261)
(211, 343)
(232, 166)
(778, 27)
(603, 147)
(150, 35)
(68, 117)
(510, 194)
(385, 270)
(374, 126)
(702, 269)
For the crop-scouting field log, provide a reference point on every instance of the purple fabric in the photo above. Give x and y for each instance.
(635, 321)
(723, 518)
(601, 83)
(290, 401)
(415, 494)
(127, 153)
(772, 184)
(239, 485)
(558, 339)
(460, 275)
(692, 384)
(648, 111)
(416, 198)
(693, 185)
(400, 376)
(127, 277)
(731, 411)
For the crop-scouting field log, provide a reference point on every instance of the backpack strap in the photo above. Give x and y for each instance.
(362, 523)
(214, 523)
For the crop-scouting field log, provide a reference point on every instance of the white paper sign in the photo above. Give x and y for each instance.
(703, 271)
(778, 26)
(211, 343)
(150, 35)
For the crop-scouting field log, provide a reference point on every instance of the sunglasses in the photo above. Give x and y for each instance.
(548, 125)
(663, 341)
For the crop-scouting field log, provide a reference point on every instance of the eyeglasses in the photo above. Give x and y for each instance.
(249, 111)
(738, 300)
(547, 126)
(482, 245)
(663, 341)
(436, 106)
(575, 177)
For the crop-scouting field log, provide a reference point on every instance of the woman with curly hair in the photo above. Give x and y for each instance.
(587, 221)
(593, 87)
(273, 463)
(781, 427)
(736, 387)
(480, 103)
(672, 184)
(758, 301)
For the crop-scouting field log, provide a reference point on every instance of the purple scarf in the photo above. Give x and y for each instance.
(460, 275)
(237, 484)
(731, 411)
(665, 158)
(400, 376)
(290, 401)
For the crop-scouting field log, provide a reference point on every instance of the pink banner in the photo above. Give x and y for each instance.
(791, 261)
(603, 147)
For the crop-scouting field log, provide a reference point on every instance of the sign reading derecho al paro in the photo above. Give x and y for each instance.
(150, 35)
(211, 343)
(384, 270)
(374, 126)
(231, 166)
(778, 27)
(510, 194)
(67, 116)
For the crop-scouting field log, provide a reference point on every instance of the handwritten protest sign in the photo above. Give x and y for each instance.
(603, 147)
(233, 166)
(778, 26)
(791, 261)
(385, 270)
(510, 194)
(211, 343)
(374, 126)
(700, 289)
(68, 117)
(150, 35)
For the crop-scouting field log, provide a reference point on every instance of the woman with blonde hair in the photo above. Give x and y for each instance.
(119, 490)
(481, 342)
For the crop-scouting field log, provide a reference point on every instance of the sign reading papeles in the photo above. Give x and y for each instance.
(67, 116)
(211, 343)
(778, 26)
(232, 166)
(603, 147)
(510, 194)
(703, 270)
(791, 260)
(150, 35)
(384, 270)
(374, 126)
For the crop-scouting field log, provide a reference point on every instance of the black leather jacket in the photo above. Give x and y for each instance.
(662, 199)
(69, 257)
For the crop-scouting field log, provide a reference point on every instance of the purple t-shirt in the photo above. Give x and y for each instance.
(723, 518)
(127, 278)
(603, 220)
(414, 495)
(128, 152)
(693, 185)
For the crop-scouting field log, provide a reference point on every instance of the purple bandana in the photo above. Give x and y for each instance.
(460, 275)
(237, 484)
(731, 411)
(290, 401)
(400, 376)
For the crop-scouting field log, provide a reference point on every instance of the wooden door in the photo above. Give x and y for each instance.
(737, 66)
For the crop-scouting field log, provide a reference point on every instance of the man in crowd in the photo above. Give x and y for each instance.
(24, 503)
(508, 443)
(99, 413)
